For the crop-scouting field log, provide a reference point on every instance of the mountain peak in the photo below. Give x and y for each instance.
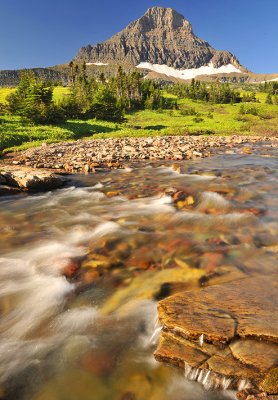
(161, 18)
(161, 37)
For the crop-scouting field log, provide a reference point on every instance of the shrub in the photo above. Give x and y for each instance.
(248, 110)
(249, 98)
(269, 99)
(198, 119)
(188, 111)
(210, 115)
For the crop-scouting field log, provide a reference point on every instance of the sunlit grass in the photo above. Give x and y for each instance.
(59, 93)
(4, 93)
(206, 119)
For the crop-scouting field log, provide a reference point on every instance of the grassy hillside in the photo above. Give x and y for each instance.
(193, 117)
(58, 93)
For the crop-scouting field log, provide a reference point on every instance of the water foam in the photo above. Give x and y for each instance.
(213, 200)
(213, 381)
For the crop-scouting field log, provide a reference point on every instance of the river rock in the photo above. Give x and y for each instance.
(32, 179)
(86, 155)
(2, 180)
(227, 331)
(247, 352)
(8, 190)
(251, 394)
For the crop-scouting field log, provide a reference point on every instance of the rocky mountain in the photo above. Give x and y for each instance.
(162, 44)
(11, 78)
(162, 37)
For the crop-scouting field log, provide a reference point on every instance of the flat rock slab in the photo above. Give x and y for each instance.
(31, 179)
(246, 351)
(245, 308)
(224, 334)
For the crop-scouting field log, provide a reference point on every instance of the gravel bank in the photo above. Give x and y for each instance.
(86, 156)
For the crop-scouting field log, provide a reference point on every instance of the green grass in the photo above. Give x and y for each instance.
(4, 93)
(59, 93)
(17, 134)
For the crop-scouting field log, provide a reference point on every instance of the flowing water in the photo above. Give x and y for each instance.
(82, 269)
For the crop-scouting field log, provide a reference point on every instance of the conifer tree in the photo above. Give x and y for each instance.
(268, 99)
(33, 100)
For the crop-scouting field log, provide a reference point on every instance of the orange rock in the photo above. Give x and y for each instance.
(99, 362)
(71, 268)
(91, 276)
(112, 194)
(210, 261)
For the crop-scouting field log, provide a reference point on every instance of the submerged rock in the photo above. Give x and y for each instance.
(270, 382)
(225, 335)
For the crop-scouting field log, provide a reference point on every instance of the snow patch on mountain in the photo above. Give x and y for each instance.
(97, 63)
(189, 73)
(267, 80)
(272, 80)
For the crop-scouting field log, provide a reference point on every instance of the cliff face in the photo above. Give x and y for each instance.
(11, 78)
(162, 36)
(161, 42)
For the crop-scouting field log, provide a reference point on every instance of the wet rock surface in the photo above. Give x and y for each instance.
(103, 251)
(251, 394)
(13, 180)
(233, 327)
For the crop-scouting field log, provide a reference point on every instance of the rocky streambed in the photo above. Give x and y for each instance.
(84, 268)
(32, 170)
(92, 155)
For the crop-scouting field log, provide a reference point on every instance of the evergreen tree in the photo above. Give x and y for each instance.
(71, 66)
(102, 78)
(33, 100)
(268, 99)
(105, 105)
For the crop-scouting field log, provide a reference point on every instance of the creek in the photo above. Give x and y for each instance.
(82, 269)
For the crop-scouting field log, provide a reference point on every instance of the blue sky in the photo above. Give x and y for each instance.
(44, 33)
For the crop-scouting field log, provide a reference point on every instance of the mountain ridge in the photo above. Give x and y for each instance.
(162, 44)
(161, 36)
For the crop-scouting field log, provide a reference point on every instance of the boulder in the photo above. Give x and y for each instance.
(8, 190)
(31, 179)
(224, 336)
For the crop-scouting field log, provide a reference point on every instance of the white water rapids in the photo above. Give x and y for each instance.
(64, 338)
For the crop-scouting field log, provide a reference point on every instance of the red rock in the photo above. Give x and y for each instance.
(99, 362)
(71, 269)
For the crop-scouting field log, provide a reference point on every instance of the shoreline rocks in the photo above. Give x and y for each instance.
(15, 180)
(85, 156)
(31, 170)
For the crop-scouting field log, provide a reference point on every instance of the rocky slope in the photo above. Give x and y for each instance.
(161, 36)
(162, 44)
(11, 78)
